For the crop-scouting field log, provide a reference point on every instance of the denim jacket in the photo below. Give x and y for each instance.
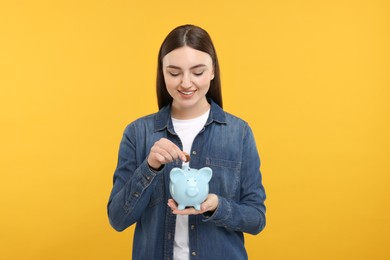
(226, 144)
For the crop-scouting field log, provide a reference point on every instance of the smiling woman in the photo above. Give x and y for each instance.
(202, 48)
(187, 75)
(190, 121)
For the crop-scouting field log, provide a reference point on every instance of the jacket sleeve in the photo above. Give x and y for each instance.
(247, 214)
(131, 190)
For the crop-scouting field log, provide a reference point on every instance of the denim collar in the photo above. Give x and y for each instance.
(163, 117)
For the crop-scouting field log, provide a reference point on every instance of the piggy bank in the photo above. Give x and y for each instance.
(189, 187)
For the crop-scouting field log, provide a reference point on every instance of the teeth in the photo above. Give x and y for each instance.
(187, 93)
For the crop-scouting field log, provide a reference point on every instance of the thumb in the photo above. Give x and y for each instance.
(208, 204)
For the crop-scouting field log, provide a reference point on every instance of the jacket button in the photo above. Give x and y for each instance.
(194, 152)
(193, 253)
(192, 227)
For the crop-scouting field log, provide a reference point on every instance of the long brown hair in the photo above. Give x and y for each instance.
(198, 39)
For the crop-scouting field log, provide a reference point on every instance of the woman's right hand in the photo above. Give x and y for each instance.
(164, 151)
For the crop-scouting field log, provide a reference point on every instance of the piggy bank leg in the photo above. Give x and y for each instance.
(181, 207)
(197, 206)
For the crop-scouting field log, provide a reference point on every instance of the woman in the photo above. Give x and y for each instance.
(190, 120)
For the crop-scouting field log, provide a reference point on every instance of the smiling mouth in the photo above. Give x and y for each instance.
(187, 92)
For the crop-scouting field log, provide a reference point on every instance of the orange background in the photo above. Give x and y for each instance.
(311, 78)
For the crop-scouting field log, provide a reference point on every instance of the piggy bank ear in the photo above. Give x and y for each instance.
(175, 174)
(207, 173)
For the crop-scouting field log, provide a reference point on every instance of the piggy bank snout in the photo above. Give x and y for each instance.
(192, 191)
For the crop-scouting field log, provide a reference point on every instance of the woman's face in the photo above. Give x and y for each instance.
(187, 74)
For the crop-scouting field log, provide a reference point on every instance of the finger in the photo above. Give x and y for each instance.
(172, 204)
(183, 155)
(187, 211)
(174, 151)
(168, 147)
(210, 204)
(178, 153)
(161, 154)
(206, 207)
(156, 158)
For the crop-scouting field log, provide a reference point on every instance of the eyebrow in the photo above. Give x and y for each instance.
(193, 67)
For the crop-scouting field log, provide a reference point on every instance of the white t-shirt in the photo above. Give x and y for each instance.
(187, 131)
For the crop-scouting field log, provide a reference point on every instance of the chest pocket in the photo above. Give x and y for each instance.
(226, 177)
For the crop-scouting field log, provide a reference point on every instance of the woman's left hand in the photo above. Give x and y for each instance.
(210, 204)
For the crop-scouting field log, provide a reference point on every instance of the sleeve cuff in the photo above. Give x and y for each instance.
(221, 213)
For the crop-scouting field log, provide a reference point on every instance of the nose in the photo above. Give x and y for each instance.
(192, 191)
(186, 81)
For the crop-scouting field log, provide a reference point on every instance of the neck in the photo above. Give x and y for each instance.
(184, 113)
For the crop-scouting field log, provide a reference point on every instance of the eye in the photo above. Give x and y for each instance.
(173, 74)
(198, 73)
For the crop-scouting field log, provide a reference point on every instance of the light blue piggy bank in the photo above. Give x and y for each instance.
(189, 187)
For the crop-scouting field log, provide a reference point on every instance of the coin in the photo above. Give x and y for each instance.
(187, 157)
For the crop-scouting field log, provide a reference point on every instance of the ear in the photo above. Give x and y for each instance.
(175, 174)
(207, 173)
